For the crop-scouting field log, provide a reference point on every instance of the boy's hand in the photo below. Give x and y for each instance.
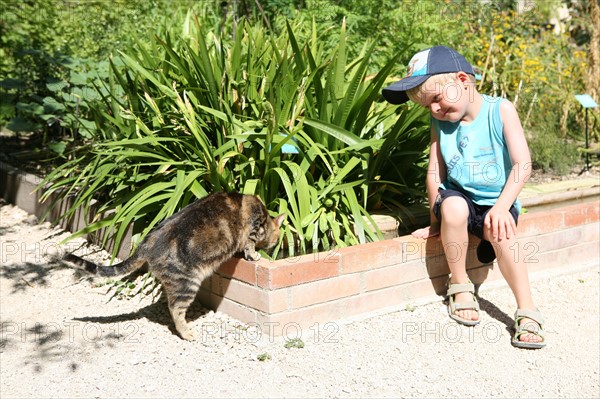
(426, 232)
(500, 225)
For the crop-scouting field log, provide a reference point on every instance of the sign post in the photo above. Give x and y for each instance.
(586, 102)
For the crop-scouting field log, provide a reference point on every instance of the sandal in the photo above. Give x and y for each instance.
(469, 305)
(533, 327)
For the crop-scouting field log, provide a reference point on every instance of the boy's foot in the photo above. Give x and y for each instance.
(462, 303)
(530, 337)
(467, 314)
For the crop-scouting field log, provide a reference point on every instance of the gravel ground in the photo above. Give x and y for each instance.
(63, 336)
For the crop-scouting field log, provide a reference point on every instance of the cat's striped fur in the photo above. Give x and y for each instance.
(190, 245)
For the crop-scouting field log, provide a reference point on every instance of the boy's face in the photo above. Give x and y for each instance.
(445, 101)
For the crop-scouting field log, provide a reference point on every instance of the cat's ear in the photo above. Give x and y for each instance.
(279, 219)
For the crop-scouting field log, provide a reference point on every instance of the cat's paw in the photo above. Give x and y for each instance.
(252, 256)
(188, 335)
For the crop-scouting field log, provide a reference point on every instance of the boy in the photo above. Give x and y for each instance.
(478, 164)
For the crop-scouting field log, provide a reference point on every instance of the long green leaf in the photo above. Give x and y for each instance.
(334, 131)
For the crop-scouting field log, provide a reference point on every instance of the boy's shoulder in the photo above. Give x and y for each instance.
(499, 107)
(493, 99)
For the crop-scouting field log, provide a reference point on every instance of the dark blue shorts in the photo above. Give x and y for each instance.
(477, 213)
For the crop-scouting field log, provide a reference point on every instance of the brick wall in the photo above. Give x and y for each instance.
(290, 294)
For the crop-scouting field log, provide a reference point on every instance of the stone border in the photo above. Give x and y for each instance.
(299, 293)
(20, 188)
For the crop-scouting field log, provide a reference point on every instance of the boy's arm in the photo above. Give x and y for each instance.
(499, 219)
(436, 173)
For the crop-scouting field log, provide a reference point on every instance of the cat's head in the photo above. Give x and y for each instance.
(268, 234)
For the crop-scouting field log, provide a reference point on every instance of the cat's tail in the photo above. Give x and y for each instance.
(126, 267)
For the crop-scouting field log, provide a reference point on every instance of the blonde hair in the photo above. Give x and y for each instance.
(416, 93)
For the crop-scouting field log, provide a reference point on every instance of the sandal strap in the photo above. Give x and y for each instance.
(458, 288)
(525, 330)
(534, 315)
(466, 305)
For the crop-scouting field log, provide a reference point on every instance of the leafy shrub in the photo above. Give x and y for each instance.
(553, 154)
(260, 114)
(45, 41)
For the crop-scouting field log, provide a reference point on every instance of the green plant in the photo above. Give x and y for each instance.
(258, 114)
(128, 288)
(294, 343)
(263, 357)
(46, 41)
(61, 109)
(553, 154)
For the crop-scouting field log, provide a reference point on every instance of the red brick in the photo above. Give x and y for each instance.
(590, 232)
(239, 269)
(324, 290)
(564, 257)
(250, 295)
(235, 310)
(298, 270)
(204, 297)
(278, 300)
(388, 298)
(207, 283)
(437, 266)
(480, 274)
(440, 284)
(576, 215)
(532, 246)
(263, 274)
(395, 275)
(215, 285)
(417, 248)
(305, 319)
(540, 222)
(247, 294)
(370, 256)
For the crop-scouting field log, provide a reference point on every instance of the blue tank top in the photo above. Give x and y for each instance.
(476, 154)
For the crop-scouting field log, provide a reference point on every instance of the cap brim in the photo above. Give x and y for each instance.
(396, 92)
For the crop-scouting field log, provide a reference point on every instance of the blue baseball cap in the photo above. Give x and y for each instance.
(423, 65)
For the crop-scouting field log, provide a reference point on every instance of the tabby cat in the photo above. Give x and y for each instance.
(190, 245)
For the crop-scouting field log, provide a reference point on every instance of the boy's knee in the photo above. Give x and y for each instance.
(454, 209)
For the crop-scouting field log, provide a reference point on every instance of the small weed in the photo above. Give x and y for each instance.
(294, 343)
(127, 289)
(410, 308)
(581, 280)
(263, 357)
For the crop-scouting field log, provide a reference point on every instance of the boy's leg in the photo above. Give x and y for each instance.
(453, 232)
(512, 266)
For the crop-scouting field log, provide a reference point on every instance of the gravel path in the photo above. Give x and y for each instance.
(61, 336)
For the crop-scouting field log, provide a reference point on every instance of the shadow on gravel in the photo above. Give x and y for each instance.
(29, 275)
(157, 312)
(496, 313)
(6, 230)
(54, 342)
